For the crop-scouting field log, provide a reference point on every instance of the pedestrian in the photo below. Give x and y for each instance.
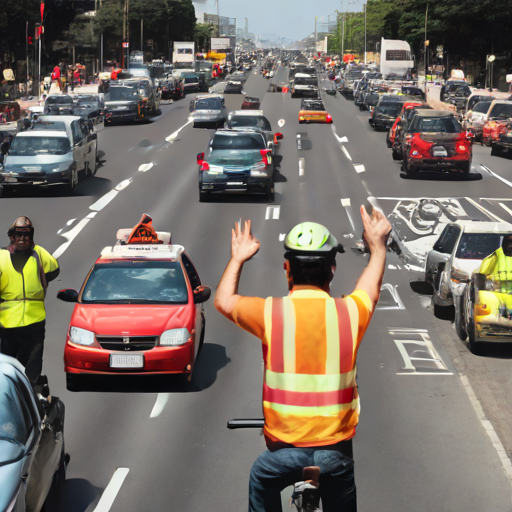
(25, 271)
(310, 342)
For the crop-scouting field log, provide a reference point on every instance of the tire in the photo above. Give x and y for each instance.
(270, 195)
(73, 182)
(473, 346)
(396, 155)
(204, 197)
(460, 328)
(72, 382)
(495, 151)
(52, 501)
(438, 310)
(201, 340)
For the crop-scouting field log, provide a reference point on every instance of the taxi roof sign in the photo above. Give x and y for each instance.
(139, 251)
(143, 233)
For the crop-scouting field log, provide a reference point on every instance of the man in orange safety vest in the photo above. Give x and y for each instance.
(310, 343)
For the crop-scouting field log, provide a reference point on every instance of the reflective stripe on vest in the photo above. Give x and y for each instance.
(294, 402)
(21, 293)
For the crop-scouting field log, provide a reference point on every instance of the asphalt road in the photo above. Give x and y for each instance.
(421, 445)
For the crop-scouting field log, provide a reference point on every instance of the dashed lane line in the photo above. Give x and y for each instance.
(112, 490)
(161, 401)
(344, 149)
(71, 235)
(490, 171)
(302, 167)
(272, 212)
(359, 168)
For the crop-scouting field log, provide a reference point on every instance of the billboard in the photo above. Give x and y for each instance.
(220, 43)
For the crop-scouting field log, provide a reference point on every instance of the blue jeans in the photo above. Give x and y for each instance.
(273, 471)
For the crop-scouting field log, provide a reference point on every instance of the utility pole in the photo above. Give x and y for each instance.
(426, 49)
(338, 22)
(142, 38)
(218, 20)
(364, 33)
(26, 51)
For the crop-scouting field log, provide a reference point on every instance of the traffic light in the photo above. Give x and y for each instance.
(30, 42)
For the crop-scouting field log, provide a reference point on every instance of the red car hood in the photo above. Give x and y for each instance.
(135, 320)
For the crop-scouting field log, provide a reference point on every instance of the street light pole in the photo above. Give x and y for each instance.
(365, 34)
(338, 21)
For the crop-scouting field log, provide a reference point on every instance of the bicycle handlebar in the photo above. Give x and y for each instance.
(249, 423)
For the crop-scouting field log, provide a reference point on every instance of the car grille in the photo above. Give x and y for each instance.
(127, 343)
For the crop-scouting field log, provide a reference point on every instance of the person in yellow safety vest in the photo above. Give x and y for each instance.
(25, 270)
(498, 266)
(310, 342)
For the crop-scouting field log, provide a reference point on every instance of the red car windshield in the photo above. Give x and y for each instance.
(136, 282)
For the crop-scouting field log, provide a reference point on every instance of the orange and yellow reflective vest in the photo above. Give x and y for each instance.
(310, 393)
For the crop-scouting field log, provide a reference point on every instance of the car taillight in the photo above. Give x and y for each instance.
(461, 148)
(328, 118)
(205, 166)
(264, 154)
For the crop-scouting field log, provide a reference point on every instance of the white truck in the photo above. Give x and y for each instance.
(395, 58)
(183, 51)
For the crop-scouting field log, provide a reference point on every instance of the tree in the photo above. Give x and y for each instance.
(203, 33)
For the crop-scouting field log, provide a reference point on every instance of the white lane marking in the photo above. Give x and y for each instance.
(495, 440)
(496, 175)
(298, 135)
(111, 491)
(302, 166)
(280, 123)
(346, 152)
(146, 167)
(282, 236)
(392, 267)
(484, 210)
(359, 168)
(70, 236)
(349, 215)
(272, 212)
(506, 208)
(345, 202)
(103, 200)
(392, 289)
(60, 231)
(91, 215)
(341, 140)
(373, 201)
(174, 135)
(123, 184)
(161, 400)
(69, 222)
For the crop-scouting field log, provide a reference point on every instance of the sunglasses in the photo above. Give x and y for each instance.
(23, 234)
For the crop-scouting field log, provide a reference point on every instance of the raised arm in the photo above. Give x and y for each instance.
(243, 247)
(376, 232)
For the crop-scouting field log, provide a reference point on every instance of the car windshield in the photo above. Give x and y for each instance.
(40, 125)
(436, 125)
(390, 109)
(501, 110)
(204, 65)
(59, 100)
(477, 246)
(238, 141)
(482, 107)
(86, 99)
(191, 79)
(15, 420)
(136, 282)
(123, 92)
(305, 81)
(313, 105)
(33, 146)
(208, 104)
(257, 121)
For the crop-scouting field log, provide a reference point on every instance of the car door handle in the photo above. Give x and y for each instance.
(24, 478)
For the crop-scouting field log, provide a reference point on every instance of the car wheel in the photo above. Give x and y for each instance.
(52, 501)
(495, 151)
(201, 340)
(204, 197)
(396, 155)
(270, 193)
(473, 346)
(73, 180)
(96, 161)
(459, 320)
(73, 382)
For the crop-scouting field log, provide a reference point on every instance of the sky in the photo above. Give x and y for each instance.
(294, 19)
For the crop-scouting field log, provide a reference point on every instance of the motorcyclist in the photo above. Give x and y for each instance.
(25, 270)
(310, 342)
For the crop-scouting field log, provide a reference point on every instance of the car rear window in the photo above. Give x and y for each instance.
(238, 141)
(313, 105)
(501, 110)
(477, 246)
(245, 121)
(59, 100)
(136, 282)
(435, 125)
(305, 81)
(208, 104)
(482, 107)
(390, 109)
(40, 125)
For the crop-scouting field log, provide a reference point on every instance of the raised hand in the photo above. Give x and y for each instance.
(376, 229)
(243, 244)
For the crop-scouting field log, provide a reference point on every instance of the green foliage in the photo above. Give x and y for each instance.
(465, 28)
(203, 33)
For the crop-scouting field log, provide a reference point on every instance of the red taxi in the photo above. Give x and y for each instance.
(139, 311)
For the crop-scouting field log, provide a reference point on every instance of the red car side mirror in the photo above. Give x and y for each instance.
(279, 136)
